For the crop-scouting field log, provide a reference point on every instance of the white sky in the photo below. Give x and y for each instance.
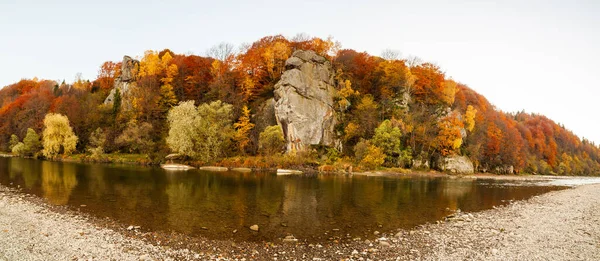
(540, 56)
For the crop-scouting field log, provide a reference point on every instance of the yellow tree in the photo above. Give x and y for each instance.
(470, 118)
(449, 92)
(449, 137)
(58, 135)
(344, 94)
(248, 87)
(167, 95)
(81, 84)
(242, 129)
(366, 116)
(150, 64)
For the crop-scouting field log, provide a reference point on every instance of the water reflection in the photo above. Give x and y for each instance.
(29, 172)
(215, 204)
(58, 181)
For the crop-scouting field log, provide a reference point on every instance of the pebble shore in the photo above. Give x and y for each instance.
(560, 225)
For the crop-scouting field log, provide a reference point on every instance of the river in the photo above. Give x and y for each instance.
(224, 205)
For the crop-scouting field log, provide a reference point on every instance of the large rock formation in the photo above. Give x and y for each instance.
(455, 164)
(129, 69)
(304, 101)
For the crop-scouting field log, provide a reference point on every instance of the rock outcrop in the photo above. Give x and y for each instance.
(264, 115)
(129, 69)
(420, 163)
(455, 165)
(304, 101)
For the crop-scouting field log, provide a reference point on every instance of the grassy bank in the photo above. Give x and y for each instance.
(119, 158)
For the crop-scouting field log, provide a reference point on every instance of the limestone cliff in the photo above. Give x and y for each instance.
(304, 101)
(129, 69)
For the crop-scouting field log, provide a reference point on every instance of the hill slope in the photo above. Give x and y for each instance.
(396, 111)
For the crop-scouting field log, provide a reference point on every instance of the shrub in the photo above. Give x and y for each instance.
(19, 149)
(374, 158)
(271, 140)
(368, 155)
(96, 144)
(14, 140)
(136, 138)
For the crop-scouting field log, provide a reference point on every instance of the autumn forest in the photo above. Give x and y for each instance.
(391, 112)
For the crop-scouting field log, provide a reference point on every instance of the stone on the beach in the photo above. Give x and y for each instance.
(290, 239)
(455, 164)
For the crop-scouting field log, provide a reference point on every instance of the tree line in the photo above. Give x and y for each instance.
(392, 112)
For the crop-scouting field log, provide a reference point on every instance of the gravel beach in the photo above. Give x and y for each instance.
(560, 225)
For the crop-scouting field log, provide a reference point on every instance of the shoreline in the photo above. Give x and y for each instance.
(304, 170)
(542, 227)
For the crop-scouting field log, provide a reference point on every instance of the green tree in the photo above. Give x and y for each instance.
(58, 136)
(203, 133)
(14, 140)
(116, 103)
(183, 136)
(388, 138)
(271, 140)
(216, 129)
(32, 143)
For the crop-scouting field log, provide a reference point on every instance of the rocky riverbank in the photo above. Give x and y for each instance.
(560, 225)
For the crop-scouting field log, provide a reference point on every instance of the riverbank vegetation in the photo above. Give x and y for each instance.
(392, 112)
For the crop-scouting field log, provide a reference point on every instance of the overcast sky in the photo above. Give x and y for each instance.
(540, 56)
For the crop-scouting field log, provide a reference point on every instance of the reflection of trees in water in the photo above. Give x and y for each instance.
(28, 169)
(196, 201)
(58, 180)
(31, 174)
(96, 183)
(404, 201)
(181, 204)
(220, 200)
(15, 167)
(299, 204)
(25, 168)
(455, 189)
(134, 196)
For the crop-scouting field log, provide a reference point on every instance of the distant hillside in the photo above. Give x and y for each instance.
(393, 112)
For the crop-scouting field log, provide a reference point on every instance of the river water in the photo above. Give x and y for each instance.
(214, 205)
